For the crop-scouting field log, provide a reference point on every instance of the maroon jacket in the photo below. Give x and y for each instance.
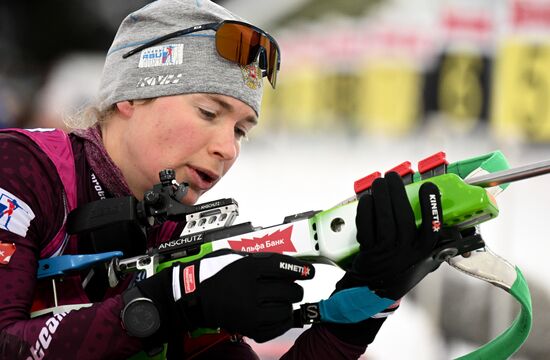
(31, 213)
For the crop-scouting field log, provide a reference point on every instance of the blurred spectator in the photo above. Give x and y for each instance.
(9, 105)
(70, 86)
(34, 35)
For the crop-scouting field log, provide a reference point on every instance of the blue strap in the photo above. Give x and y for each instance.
(61, 265)
(352, 305)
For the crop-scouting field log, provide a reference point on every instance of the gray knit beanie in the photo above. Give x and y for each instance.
(182, 65)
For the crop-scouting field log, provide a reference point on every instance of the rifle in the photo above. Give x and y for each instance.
(467, 191)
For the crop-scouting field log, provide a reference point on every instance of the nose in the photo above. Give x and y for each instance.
(224, 145)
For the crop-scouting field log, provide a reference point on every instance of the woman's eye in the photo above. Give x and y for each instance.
(207, 114)
(240, 134)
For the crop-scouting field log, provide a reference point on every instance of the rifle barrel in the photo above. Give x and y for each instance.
(511, 175)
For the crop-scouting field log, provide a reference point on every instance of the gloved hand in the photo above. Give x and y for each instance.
(392, 249)
(394, 255)
(246, 293)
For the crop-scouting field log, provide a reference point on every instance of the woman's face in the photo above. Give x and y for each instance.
(197, 135)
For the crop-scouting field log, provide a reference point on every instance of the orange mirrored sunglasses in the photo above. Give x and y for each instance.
(236, 41)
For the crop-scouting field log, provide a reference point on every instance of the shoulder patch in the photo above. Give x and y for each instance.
(15, 214)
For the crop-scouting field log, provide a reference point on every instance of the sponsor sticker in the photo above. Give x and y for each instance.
(163, 55)
(279, 242)
(189, 279)
(6, 251)
(15, 214)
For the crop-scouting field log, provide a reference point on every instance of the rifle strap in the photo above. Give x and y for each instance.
(489, 267)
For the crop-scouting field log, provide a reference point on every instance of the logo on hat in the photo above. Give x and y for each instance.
(161, 56)
(252, 75)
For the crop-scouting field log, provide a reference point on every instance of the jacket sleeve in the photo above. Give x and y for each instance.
(31, 212)
(336, 341)
(318, 342)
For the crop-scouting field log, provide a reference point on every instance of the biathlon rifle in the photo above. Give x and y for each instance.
(468, 189)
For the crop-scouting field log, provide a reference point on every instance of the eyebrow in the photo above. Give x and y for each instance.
(228, 107)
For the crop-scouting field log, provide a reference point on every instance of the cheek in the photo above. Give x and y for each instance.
(180, 142)
(148, 142)
(144, 157)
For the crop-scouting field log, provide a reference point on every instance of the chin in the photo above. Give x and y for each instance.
(191, 197)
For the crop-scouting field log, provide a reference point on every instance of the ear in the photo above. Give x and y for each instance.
(126, 108)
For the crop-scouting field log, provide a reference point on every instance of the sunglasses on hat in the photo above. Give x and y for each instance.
(236, 41)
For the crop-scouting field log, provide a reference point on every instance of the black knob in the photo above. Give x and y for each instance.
(167, 175)
(151, 197)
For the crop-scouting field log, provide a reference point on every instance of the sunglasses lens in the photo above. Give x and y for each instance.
(273, 69)
(241, 43)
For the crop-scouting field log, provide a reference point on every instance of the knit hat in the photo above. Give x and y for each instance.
(181, 65)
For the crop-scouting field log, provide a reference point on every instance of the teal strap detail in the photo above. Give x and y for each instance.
(352, 305)
(508, 342)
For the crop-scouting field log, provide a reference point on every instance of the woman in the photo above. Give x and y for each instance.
(181, 88)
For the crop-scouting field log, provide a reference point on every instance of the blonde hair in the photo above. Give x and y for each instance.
(88, 117)
(91, 115)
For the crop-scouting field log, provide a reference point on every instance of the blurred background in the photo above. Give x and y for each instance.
(364, 85)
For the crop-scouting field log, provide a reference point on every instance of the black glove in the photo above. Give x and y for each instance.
(394, 255)
(245, 293)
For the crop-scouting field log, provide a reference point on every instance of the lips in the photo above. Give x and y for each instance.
(202, 179)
